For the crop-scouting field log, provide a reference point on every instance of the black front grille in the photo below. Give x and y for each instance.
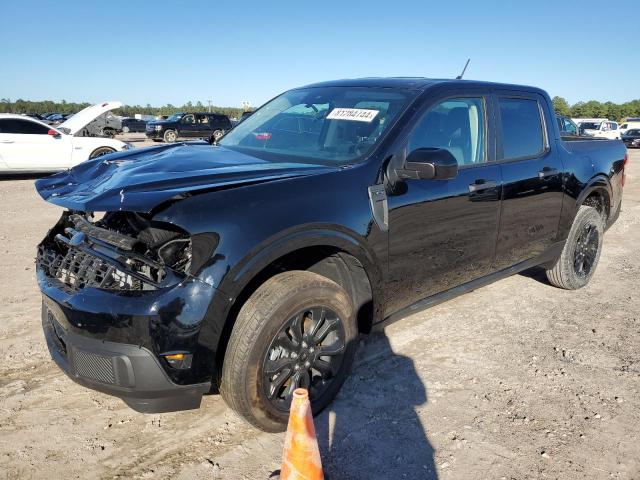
(78, 269)
(96, 367)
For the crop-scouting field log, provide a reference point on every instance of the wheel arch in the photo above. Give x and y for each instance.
(333, 254)
(597, 193)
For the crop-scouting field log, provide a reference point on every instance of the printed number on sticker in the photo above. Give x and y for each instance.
(356, 114)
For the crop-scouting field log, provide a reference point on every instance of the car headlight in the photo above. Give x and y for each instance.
(158, 128)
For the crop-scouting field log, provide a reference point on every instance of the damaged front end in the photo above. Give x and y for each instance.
(121, 251)
(121, 301)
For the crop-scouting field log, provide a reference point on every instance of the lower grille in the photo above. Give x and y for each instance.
(96, 367)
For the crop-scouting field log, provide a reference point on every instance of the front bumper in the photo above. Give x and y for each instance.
(129, 372)
(154, 133)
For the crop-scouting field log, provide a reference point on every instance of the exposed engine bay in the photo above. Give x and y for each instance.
(120, 251)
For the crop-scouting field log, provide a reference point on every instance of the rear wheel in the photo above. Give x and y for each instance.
(297, 330)
(170, 136)
(581, 252)
(98, 152)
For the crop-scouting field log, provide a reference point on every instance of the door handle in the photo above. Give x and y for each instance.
(482, 184)
(6, 141)
(547, 172)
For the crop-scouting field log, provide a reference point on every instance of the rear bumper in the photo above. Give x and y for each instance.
(129, 372)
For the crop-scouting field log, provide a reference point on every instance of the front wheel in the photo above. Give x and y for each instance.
(297, 330)
(170, 136)
(581, 252)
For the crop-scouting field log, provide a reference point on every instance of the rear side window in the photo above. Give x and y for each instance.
(521, 123)
(24, 127)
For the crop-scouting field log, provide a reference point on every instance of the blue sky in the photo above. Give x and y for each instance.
(174, 51)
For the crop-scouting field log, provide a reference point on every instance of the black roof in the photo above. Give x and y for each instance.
(414, 83)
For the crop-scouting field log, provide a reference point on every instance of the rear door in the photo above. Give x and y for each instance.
(442, 233)
(188, 127)
(531, 173)
(26, 145)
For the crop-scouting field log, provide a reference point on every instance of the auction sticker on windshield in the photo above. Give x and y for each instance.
(357, 114)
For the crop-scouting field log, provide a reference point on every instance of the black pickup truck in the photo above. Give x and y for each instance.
(211, 126)
(252, 265)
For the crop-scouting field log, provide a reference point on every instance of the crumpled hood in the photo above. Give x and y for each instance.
(138, 180)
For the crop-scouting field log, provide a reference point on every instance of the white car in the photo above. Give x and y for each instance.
(28, 145)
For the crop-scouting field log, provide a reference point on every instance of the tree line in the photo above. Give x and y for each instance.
(595, 109)
(48, 106)
(590, 109)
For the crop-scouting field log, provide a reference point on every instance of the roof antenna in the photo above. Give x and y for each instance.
(459, 77)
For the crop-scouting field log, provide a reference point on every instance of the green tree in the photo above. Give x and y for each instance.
(561, 106)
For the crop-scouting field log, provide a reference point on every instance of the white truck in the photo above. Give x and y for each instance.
(598, 127)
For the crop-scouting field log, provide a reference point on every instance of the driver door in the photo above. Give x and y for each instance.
(188, 127)
(442, 233)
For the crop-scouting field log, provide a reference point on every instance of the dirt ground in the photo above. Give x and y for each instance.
(517, 380)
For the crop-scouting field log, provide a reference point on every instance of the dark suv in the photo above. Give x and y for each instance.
(189, 125)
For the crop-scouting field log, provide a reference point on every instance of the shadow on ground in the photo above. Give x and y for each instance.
(23, 176)
(536, 273)
(373, 430)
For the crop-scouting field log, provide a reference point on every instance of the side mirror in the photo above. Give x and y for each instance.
(430, 164)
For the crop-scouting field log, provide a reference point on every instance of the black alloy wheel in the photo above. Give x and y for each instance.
(586, 250)
(306, 353)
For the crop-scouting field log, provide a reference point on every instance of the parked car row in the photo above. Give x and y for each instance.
(628, 132)
(51, 118)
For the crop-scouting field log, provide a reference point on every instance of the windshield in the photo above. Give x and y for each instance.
(175, 117)
(332, 124)
(590, 125)
(633, 132)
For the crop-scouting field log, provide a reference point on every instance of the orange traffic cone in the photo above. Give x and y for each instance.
(301, 455)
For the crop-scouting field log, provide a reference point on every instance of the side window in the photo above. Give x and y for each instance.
(457, 125)
(613, 125)
(188, 119)
(521, 124)
(570, 127)
(24, 127)
(202, 119)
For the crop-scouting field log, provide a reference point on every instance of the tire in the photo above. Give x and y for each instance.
(170, 136)
(264, 331)
(99, 152)
(109, 132)
(581, 252)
